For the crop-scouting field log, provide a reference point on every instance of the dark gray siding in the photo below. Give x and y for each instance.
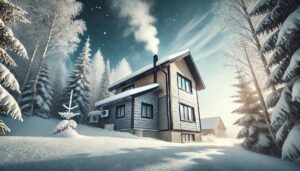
(163, 116)
(145, 123)
(120, 123)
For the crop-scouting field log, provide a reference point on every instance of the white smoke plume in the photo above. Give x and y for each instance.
(141, 23)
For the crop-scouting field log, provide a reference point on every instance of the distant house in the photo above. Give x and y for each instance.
(214, 126)
(159, 100)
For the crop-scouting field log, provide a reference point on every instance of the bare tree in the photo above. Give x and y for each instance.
(234, 14)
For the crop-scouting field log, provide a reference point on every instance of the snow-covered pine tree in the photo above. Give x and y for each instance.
(79, 82)
(105, 81)
(255, 131)
(38, 103)
(284, 16)
(98, 67)
(9, 13)
(121, 70)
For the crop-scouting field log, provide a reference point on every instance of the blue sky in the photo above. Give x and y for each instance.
(180, 25)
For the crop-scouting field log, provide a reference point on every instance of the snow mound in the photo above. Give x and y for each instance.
(208, 138)
(38, 127)
(68, 133)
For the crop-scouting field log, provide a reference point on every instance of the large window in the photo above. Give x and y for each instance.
(147, 111)
(186, 113)
(184, 83)
(187, 137)
(128, 87)
(120, 111)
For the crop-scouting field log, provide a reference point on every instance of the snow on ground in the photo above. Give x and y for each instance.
(32, 146)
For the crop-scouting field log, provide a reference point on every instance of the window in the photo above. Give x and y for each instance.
(128, 87)
(186, 113)
(187, 137)
(184, 83)
(120, 111)
(147, 111)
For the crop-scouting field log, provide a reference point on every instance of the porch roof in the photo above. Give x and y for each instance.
(127, 93)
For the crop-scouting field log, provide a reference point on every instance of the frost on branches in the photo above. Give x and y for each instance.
(9, 13)
(68, 123)
(254, 131)
(284, 16)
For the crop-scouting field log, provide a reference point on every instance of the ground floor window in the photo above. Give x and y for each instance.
(187, 137)
(147, 111)
(120, 111)
(186, 113)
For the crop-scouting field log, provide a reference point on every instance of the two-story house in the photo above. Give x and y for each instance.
(159, 100)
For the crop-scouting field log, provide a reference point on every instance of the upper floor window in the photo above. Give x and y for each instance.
(120, 111)
(186, 113)
(128, 87)
(147, 111)
(184, 83)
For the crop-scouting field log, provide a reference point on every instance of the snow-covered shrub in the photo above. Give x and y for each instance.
(65, 124)
(68, 123)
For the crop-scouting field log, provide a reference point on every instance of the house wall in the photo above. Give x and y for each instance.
(180, 96)
(146, 123)
(162, 109)
(119, 123)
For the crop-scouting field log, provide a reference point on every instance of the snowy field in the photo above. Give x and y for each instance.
(32, 146)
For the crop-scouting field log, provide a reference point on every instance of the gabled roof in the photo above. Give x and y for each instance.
(127, 93)
(148, 69)
(210, 123)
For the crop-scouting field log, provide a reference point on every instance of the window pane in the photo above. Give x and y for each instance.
(178, 81)
(143, 110)
(123, 111)
(186, 113)
(149, 111)
(187, 86)
(190, 114)
(181, 112)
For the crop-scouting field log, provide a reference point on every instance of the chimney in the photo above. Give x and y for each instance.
(155, 59)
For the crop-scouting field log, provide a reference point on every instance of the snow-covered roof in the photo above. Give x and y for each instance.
(210, 123)
(127, 94)
(170, 58)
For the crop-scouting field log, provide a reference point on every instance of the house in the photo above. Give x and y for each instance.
(214, 126)
(159, 100)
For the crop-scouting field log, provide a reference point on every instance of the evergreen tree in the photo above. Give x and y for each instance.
(38, 103)
(80, 84)
(105, 81)
(98, 67)
(121, 70)
(8, 13)
(255, 130)
(282, 19)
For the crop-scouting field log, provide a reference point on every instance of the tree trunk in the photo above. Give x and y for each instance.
(29, 65)
(260, 96)
(257, 42)
(42, 61)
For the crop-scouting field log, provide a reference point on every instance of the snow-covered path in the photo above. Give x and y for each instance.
(109, 150)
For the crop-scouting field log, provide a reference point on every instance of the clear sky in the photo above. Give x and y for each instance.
(180, 25)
